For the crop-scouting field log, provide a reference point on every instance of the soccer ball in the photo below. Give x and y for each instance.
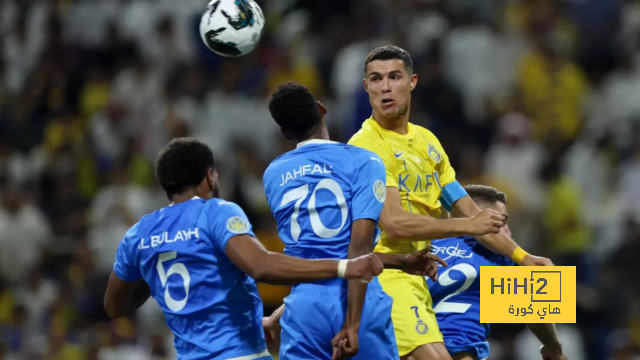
(232, 28)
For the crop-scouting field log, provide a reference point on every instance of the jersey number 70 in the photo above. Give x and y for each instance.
(299, 194)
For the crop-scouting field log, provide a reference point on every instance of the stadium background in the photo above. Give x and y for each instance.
(540, 98)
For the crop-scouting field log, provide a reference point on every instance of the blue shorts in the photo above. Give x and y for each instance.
(314, 314)
(480, 349)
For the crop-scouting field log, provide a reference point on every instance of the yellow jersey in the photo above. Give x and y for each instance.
(417, 165)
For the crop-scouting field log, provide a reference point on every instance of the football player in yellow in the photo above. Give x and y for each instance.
(421, 187)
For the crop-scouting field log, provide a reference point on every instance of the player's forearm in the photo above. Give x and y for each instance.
(547, 335)
(278, 269)
(391, 261)
(499, 243)
(357, 290)
(413, 227)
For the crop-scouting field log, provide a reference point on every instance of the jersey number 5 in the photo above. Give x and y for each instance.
(300, 193)
(178, 269)
(444, 306)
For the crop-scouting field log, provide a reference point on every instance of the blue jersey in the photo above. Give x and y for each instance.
(316, 191)
(456, 294)
(211, 306)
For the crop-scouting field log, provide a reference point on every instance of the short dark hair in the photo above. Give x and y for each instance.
(390, 52)
(183, 164)
(295, 110)
(486, 193)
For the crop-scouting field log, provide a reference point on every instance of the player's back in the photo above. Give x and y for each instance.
(311, 193)
(456, 294)
(211, 306)
(315, 193)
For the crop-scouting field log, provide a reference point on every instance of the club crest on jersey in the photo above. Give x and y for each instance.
(421, 327)
(379, 191)
(434, 153)
(237, 225)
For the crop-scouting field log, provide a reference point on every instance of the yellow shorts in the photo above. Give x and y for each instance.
(414, 321)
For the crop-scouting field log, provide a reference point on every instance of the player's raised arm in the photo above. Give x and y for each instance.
(497, 242)
(401, 225)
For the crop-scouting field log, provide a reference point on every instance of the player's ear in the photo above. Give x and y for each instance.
(322, 109)
(366, 86)
(414, 81)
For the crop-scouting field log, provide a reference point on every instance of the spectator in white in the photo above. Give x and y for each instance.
(21, 54)
(14, 166)
(166, 50)
(628, 189)
(87, 21)
(480, 61)
(109, 129)
(138, 85)
(622, 96)
(515, 160)
(115, 208)
(36, 294)
(24, 234)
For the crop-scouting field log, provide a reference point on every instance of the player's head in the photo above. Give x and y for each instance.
(187, 164)
(297, 112)
(389, 80)
(487, 197)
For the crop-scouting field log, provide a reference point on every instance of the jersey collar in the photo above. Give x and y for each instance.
(314, 142)
(193, 198)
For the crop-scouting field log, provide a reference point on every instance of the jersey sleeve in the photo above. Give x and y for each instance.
(228, 220)
(377, 147)
(369, 188)
(125, 267)
(452, 191)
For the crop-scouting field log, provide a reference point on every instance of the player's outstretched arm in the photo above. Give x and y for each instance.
(551, 347)
(497, 242)
(274, 268)
(401, 225)
(362, 231)
(124, 297)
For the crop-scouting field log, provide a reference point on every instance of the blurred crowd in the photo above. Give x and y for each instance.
(539, 98)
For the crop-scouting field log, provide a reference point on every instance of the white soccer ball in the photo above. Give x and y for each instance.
(232, 28)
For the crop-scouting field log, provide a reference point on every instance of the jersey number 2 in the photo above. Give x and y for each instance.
(178, 269)
(444, 306)
(300, 193)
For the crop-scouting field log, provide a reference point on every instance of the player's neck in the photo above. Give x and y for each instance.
(399, 124)
(321, 134)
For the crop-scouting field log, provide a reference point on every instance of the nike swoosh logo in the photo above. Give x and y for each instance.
(398, 155)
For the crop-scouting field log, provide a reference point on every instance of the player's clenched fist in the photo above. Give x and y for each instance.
(422, 263)
(363, 268)
(485, 222)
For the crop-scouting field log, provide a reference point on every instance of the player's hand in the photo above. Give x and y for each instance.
(532, 260)
(422, 263)
(364, 268)
(552, 353)
(485, 222)
(345, 343)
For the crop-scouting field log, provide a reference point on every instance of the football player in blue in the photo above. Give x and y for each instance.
(198, 259)
(326, 198)
(456, 292)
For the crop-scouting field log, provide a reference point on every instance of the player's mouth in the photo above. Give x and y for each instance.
(387, 102)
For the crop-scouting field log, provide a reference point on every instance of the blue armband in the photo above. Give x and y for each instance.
(451, 193)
